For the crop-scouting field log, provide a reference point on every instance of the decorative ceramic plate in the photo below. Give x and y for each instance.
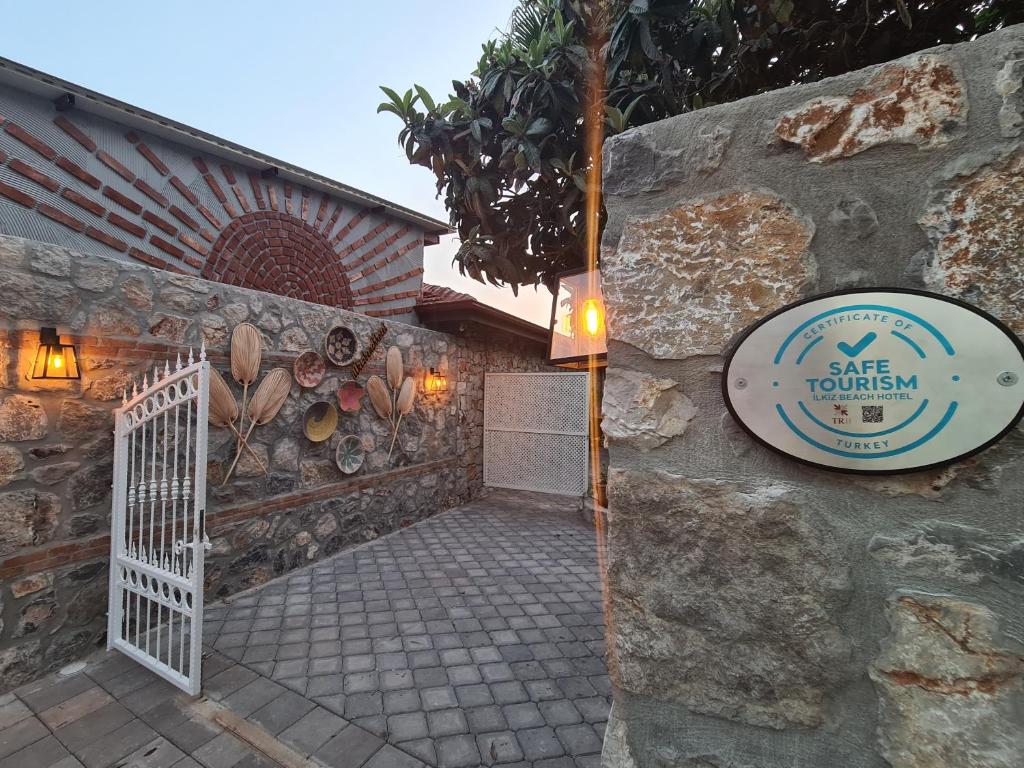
(320, 421)
(350, 396)
(341, 345)
(309, 369)
(350, 454)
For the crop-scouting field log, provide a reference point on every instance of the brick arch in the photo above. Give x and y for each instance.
(281, 254)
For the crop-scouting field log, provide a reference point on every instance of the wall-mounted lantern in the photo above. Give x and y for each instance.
(577, 320)
(53, 359)
(435, 382)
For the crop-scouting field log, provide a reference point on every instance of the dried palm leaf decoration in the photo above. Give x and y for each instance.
(246, 355)
(224, 411)
(404, 403)
(394, 368)
(379, 397)
(395, 399)
(266, 403)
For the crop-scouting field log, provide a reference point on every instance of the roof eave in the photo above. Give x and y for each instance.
(471, 310)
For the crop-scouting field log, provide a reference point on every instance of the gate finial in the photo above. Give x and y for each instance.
(177, 365)
(190, 358)
(202, 350)
(167, 368)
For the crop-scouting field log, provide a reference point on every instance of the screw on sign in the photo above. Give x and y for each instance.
(935, 379)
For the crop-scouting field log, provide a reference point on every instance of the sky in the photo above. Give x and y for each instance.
(297, 81)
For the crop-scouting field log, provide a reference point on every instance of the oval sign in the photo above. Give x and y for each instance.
(876, 381)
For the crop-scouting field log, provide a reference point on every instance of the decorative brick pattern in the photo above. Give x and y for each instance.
(73, 131)
(17, 195)
(184, 191)
(280, 254)
(151, 156)
(304, 246)
(59, 216)
(151, 193)
(36, 175)
(115, 165)
(78, 172)
(83, 202)
(30, 141)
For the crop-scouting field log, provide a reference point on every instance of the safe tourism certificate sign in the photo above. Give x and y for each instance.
(881, 381)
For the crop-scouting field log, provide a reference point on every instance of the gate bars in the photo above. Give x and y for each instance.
(158, 533)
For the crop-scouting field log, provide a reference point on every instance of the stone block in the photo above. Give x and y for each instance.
(720, 631)
(919, 100)
(173, 328)
(642, 411)
(11, 464)
(27, 519)
(952, 551)
(685, 281)
(79, 420)
(950, 681)
(1009, 85)
(22, 418)
(975, 233)
(111, 386)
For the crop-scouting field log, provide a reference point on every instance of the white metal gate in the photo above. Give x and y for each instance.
(158, 535)
(536, 431)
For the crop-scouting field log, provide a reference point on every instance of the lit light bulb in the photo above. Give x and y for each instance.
(592, 316)
(57, 361)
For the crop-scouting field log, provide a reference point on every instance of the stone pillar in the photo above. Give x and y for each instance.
(766, 614)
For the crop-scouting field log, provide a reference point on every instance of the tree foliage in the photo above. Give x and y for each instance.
(507, 146)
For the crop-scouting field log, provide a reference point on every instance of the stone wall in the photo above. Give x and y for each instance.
(56, 439)
(764, 613)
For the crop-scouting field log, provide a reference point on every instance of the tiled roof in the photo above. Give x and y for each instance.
(439, 294)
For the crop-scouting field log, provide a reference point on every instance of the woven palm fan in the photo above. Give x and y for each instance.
(266, 403)
(224, 411)
(380, 398)
(394, 369)
(404, 404)
(246, 355)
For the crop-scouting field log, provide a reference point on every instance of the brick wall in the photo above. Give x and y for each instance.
(56, 438)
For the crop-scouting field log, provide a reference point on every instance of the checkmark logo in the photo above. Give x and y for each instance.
(859, 347)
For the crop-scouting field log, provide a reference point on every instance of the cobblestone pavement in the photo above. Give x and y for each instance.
(474, 638)
(115, 712)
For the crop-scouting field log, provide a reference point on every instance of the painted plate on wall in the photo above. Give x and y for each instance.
(350, 454)
(341, 345)
(309, 369)
(877, 381)
(350, 396)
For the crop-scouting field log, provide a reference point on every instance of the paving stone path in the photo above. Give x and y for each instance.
(474, 638)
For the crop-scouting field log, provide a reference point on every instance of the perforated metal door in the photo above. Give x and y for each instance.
(535, 432)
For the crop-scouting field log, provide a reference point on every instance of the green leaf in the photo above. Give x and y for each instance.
(385, 107)
(539, 127)
(512, 125)
(391, 94)
(428, 102)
